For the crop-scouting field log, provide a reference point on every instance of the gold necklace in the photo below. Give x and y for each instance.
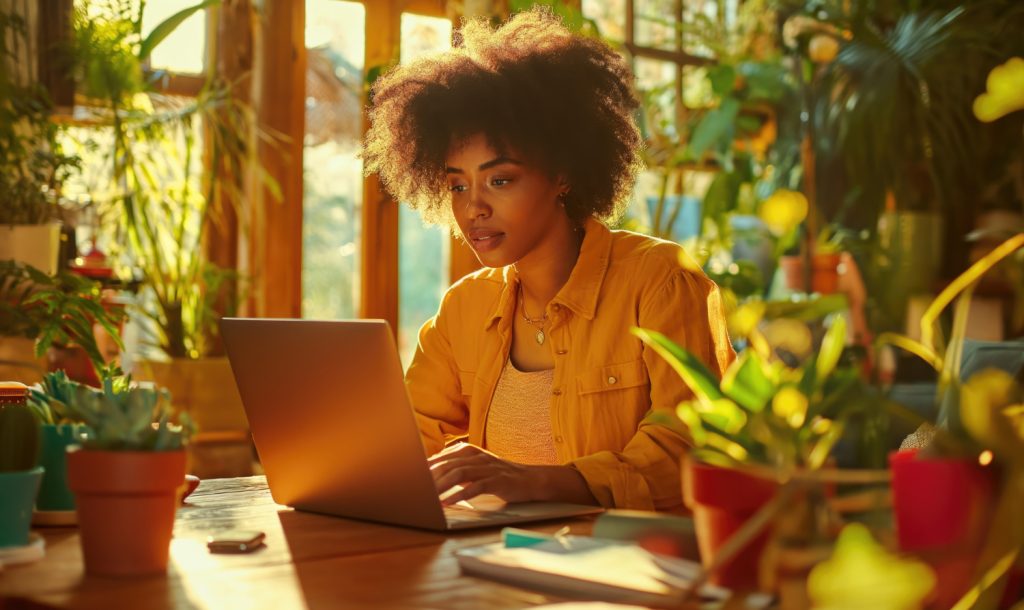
(542, 321)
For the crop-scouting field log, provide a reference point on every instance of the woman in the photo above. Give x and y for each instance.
(523, 139)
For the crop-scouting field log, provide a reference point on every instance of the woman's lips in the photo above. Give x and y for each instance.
(485, 241)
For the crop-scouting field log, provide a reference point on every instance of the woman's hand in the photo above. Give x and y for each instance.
(481, 472)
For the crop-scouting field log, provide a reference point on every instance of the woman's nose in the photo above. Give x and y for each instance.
(476, 206)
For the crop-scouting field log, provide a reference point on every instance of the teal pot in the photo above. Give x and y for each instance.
(17, 495)
(54, 493)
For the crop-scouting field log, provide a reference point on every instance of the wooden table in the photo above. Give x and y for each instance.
(310, 561)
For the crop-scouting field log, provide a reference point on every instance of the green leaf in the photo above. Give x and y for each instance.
(701, 381)
(723, 79)
(715, 129)
(723, 414)
(745, 382)
(166, 27)
(831, 348)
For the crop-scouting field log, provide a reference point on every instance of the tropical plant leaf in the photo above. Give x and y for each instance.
(166, 27)
(701, 381)
(746, 383)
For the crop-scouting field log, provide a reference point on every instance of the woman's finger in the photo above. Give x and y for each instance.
(464, 475)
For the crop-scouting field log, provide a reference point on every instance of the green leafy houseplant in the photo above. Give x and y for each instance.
(54, 310)
(763, 411)
(154, 186)
(32, 162)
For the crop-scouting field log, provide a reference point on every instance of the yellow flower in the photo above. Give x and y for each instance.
(790, 335)
(823, 48)
(784, 211)
(791, 405)
(862, 574)
(990, 411)
(1005, 91)
(745, 319)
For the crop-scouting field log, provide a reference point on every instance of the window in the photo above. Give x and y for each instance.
(179, 51)
(423, 251)
(332, 172)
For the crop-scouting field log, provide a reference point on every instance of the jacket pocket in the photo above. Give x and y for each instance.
(612, 377)
(466, 382)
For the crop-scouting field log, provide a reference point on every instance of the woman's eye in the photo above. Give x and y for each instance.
(500, 181)
(457, 188)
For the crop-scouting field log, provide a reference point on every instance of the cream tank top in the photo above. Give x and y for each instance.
(519, 420)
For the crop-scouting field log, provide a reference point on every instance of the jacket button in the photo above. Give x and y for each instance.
(556, 392)
(562, 352)
(558, 439)
(612, 381)
(556, 307)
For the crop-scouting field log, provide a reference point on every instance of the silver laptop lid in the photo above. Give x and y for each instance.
(331, 419)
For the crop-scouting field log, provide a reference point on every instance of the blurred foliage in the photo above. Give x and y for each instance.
(55, 310)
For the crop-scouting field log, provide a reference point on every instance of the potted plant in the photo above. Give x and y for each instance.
(39, 312)
(32, 163)
(946, 488)
(19, 470)
(165, 222)
(759, 436)
(127, 476)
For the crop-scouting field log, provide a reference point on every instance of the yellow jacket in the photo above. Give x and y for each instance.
(606, 382)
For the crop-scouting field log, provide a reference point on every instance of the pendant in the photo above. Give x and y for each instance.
(540, 337)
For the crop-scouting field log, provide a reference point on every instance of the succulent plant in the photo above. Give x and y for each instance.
(123, 416)
(19, 438)
(49, 401)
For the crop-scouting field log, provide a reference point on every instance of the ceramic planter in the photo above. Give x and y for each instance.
(943, 508)
(722, 500)
(54, 493)
(36, 245)
(825, 273)
(17, 495)
(127, 502)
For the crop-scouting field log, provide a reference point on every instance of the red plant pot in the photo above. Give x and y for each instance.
(825, 279)
(126, 506)
(943, 508)
(793, 273)
(722, 500)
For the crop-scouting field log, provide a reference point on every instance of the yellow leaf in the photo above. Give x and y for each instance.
(1004, 91)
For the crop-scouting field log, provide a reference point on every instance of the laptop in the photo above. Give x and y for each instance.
(335, 430)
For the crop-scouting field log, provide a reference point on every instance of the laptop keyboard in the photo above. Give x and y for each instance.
(461, 514)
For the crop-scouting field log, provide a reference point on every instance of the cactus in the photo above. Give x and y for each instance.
(19, 438)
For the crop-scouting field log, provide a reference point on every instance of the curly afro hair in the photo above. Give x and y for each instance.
(562, 101)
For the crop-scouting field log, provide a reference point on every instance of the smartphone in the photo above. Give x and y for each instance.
(235, 541)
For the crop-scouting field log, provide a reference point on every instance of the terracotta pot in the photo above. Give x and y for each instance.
(126, 506)
(722, 500)
(792, 273)
(943, 508)
(825, 279)
(74, 361)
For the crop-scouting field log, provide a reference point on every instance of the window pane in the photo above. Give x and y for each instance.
(181, 51)
(423, 251)
(332, 173)
(655, 23)
(655, 82)
(610, 16)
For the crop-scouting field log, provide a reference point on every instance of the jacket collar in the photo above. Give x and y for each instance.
(581, 290)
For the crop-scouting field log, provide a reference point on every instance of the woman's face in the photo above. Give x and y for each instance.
(505, 208)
